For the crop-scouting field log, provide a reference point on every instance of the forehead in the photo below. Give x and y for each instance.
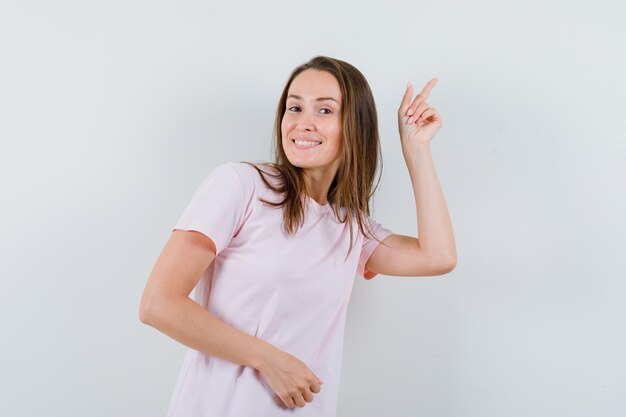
(313, 84)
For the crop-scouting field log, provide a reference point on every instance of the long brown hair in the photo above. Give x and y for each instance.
(352, 186)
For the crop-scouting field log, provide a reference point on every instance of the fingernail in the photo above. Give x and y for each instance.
(408, 122)
(410, 112)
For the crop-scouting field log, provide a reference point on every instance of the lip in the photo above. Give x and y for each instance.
(304, 148)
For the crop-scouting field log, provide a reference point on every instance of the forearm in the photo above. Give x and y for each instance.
(186, 321)
(433, 220)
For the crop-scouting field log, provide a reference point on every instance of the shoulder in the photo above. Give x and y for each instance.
(242, 168)
(228, 177)
(251, 175)
(369, 225)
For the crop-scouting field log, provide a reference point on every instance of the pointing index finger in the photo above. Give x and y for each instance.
(428, 87)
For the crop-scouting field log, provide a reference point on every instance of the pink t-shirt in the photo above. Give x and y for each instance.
(290, 290)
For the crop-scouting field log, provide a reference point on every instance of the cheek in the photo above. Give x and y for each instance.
(284, 128)
(335, 133)
(286, 125)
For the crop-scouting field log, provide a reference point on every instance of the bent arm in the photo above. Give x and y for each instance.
(166, 306)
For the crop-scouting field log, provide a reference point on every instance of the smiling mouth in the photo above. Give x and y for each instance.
(306, 144)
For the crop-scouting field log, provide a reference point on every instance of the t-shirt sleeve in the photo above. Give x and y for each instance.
(369, 245)
(218, 207)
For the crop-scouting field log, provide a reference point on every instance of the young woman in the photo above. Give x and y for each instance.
(275, 248)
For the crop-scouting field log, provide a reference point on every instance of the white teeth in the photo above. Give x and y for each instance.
(306, 143)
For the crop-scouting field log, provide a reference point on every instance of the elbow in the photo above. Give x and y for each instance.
(145, 310)
(143, 314)
(448, 265)
(155, 307)
(451, 265)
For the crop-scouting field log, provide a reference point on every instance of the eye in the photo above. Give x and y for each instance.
(325, 108)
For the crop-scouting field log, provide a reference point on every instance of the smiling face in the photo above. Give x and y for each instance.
(311, 114)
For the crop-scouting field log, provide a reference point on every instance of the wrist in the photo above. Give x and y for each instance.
(260, 354)
(415, 148)
(415, 145)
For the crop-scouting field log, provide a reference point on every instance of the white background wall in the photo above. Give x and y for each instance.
(112, 113)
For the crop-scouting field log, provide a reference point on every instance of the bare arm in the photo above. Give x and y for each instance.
(166, 306)
(418, 123)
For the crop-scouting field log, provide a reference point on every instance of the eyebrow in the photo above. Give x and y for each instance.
(317, 99)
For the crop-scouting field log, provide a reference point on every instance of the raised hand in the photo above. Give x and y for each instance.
(417, 121)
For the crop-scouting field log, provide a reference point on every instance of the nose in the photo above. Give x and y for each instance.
(305, 122)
